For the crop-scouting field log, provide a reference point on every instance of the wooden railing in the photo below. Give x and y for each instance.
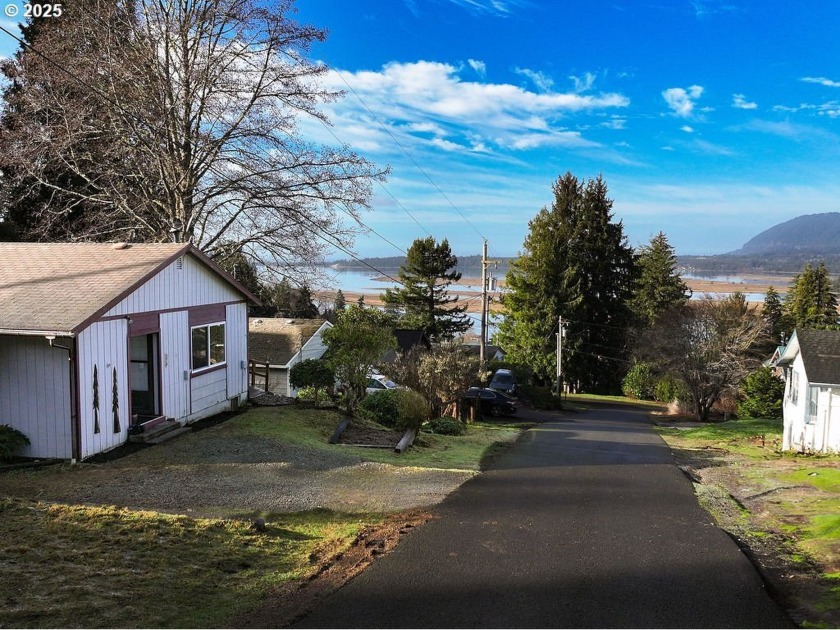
(255, 369)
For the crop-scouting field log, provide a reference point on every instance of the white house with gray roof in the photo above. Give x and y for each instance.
(98, 340)
(811, 406)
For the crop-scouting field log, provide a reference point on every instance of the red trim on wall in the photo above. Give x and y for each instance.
(143, 324)
(209, 314)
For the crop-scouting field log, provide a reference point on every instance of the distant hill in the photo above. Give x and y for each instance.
(809, 233)
(784, 248)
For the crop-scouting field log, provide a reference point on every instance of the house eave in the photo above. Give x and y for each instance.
(16, 332)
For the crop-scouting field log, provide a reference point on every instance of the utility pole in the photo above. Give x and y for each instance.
(485, 281)
(560, 335)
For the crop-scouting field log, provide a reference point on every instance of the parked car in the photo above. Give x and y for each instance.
(379, 383)
(492, 402)
(503, 381)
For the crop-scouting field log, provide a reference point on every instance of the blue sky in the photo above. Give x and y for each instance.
(709, 120)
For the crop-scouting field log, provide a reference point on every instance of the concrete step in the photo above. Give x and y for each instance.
(169, 435)
(155, 431)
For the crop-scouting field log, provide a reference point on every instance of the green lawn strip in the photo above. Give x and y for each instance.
(582, 399)
(754, 438)
(312, 428)
(79, 566)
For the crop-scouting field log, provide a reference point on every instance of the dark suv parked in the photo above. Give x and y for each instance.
(491, 402)
(503, 381)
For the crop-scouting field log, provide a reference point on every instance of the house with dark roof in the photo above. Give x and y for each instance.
(100, 340)
(811, 407)
(407, 339)
(277, 344)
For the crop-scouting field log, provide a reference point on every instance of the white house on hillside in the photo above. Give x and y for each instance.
(811, 364)
(97, 339)
(277, 344)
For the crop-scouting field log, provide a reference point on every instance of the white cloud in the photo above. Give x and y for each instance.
(430, 98)
(479, 66)
(681, 100)
(582, 84)
(739, 101)
(821, 81)
(616, 122)
(541, 80)
(687, 129)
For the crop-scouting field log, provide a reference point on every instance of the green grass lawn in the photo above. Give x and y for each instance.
(313, 427)
(755, 438)
(103, 566)
(579, 401)
(82, 566)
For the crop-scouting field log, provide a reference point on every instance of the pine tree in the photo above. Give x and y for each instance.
(658, 285)
(775, 321)
(340, 301)
(424, 299)
(810, 302)
(576, 264)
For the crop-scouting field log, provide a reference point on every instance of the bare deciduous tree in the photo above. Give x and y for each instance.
(181, 123)
(711, 344)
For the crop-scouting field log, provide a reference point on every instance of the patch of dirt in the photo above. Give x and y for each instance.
(293, 600)
(748, 503)
(368, 436)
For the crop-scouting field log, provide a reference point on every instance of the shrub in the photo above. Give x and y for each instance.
(11, 440)
(382, 407)
(640, 381)
(669, 388)
(317, 396)
(312, 373)
(541, 397)
(414, 410)
(445, 425)
(763, 393)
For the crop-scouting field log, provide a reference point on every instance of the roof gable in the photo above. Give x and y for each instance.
(60, 288)
(820, 350)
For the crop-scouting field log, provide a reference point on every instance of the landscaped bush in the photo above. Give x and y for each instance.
(445, 425)
(669, 388)
(317, 396)
(640, 381)
(414, 410)
(312, 374)
(10, 441)
(540, 397)
(382, 407)
(763, 394)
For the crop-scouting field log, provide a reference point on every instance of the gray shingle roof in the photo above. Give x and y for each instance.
(821, 354)
(56, 287)
(276, 340)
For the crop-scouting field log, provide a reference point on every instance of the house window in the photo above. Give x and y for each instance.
(794, 387)
(208, 345)
(813, 399)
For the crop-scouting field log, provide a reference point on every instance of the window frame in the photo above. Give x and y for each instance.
(209, 347)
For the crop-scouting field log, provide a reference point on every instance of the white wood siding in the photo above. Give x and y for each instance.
(236, 350)
(207, 391)
(35, 394)
(104, 345)
(175, 364)
(192, 285)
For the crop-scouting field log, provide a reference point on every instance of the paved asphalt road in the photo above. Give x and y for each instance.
(587, 522)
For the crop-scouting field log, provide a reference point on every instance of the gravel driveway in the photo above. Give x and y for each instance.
(216, 473)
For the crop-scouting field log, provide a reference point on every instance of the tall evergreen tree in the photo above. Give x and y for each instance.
(340, 301)
(773, 314)
(575, 263)
(424, 299)
(811, 302)
(658, 285)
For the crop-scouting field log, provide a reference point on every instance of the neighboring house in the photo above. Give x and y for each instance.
(150, 330)
(491, 352)
(811, 407)
(280, 343)
(407, 339)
